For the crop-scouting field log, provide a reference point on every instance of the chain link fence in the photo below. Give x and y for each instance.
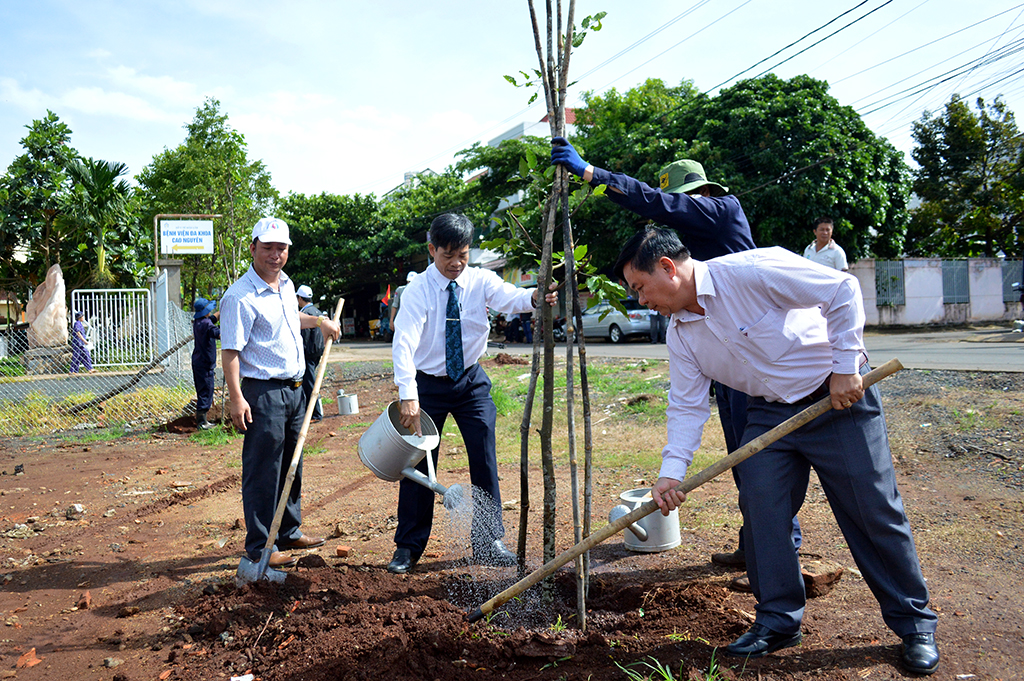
(132, 370)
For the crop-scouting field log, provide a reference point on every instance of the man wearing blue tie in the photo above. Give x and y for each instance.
(440, 332)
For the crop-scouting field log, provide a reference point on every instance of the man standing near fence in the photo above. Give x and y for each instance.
(262, 355)
(205, 333)
(824, 250)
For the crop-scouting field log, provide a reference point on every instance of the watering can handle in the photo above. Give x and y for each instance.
(714, 470)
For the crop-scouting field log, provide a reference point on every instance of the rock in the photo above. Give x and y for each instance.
(111, 662)
(47, 314)
(74, 511)
(312, 561)
(547, 646)
(85, 602)
(128, 611)
(820, 576)
(343, 551)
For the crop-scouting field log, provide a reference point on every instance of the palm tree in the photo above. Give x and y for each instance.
(101, 203)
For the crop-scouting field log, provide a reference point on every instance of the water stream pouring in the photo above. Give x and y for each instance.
(392, 452)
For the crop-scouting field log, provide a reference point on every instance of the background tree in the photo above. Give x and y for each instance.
(210, 173)
(33, 190)
(100, 204)
(348, 244)
(786, 147)
(969, 181)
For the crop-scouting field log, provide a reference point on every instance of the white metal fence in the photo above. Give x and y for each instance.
(137, 381)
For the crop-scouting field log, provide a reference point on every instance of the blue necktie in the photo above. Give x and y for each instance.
(453, 362)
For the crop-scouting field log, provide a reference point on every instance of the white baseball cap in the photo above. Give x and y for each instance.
(271, 230)
(305, 292)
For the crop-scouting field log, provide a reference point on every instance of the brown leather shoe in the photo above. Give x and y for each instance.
(303, 542)
(736, 559)
(281, 560)
(741, 583)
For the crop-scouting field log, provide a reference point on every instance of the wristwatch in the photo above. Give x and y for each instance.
(319, 321)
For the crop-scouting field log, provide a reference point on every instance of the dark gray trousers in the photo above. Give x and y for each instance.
(277, 413)
(849, 450)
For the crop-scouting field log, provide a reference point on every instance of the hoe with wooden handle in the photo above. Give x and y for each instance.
(251, 571)
(714, 470)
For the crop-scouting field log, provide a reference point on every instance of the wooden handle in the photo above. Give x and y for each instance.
(714, 470)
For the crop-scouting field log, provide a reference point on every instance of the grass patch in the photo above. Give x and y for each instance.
(215, 437)
(100, 435)
(11, 367)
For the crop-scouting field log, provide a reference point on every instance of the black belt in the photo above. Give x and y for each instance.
(820, 392)
(292, 383)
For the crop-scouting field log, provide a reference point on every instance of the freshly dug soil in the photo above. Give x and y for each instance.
(136, 582)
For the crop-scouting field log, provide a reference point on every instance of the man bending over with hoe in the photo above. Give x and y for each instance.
(788, 333)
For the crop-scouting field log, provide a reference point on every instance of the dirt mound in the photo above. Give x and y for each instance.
(346, 622)
(505, 358)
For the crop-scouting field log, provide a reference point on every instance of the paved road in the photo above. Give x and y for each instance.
(973, 350)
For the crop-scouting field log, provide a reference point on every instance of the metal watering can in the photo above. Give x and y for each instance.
(392, 452)
(650, 534)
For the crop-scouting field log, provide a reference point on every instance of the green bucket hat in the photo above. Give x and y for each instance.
(684, 176)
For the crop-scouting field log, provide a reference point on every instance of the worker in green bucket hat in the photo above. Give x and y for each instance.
(711, 223)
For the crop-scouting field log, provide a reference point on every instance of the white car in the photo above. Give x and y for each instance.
(616, 326)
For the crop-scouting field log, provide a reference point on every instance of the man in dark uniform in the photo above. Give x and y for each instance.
(313, 348)
(205, 333)
(711, 223)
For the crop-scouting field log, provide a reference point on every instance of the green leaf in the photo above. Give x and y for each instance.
(511, 80)
(531, 158)
(579, 252)
(524, 166)
(533, 98)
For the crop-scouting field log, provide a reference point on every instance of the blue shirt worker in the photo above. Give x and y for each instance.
(712, 223)
(205, 333)
(262, 357)
(788, 333)
(312, 347)
(441, 331)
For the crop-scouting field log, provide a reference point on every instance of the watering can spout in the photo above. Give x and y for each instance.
(451, 496)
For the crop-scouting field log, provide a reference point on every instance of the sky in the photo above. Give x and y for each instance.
(345, 97)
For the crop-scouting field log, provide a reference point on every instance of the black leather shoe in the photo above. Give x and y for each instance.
(736, 559)
(496, 554)
(402, 562)
(920, 654)
(760, 641)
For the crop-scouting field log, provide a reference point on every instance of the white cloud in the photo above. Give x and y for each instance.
(12, 92)
(99, 102)
(163, 87)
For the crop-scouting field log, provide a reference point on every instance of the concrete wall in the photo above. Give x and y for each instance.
(922, 282)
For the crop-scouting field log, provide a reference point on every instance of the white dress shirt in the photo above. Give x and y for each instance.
(263, 326)
(420, 323)
(774, 326)
(832, 255)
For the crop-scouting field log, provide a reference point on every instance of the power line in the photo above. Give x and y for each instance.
(806, 35)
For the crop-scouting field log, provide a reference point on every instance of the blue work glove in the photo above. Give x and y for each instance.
(562, 152)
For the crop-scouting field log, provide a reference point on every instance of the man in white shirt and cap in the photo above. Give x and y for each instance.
(262, 356)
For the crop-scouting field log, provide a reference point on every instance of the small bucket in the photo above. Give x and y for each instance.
(655, 532)
(387, 447)
(347, 404)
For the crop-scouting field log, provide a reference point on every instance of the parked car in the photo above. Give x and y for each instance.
(614, 325)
